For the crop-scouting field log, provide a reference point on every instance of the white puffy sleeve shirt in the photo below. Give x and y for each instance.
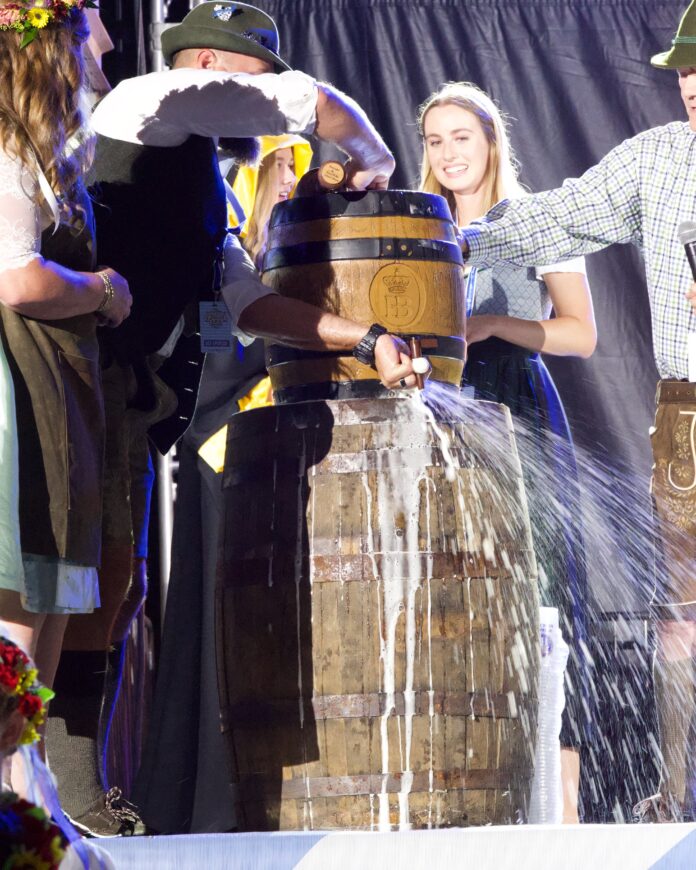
(20, 217)
(163, 109)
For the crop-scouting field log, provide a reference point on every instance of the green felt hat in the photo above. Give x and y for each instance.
(683, 50)
(226, 26)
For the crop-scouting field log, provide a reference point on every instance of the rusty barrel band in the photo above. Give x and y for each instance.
(361, 203)
(381, 248)
(329, 390)
(252, 713)
(344, 569)
(256, 788)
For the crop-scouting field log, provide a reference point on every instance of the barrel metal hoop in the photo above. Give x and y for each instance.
(431, 250)
(371, 705)
(329, 390)
(368, 388)
(302, 788)
(361, 203)
(439, 345)
(253, 569)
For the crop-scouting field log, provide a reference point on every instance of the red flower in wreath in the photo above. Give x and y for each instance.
(30, 705)
(12, 654)
(18, 677)
(8, 677)
(28, 839)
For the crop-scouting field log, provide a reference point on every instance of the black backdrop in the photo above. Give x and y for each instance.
(575, 79)
(574, 76)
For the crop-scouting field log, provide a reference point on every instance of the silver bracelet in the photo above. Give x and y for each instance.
(108, 291)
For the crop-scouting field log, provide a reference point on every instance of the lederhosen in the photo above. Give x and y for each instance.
(674, 493)
(60, 417)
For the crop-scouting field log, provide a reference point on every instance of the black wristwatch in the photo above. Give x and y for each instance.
(364, 350)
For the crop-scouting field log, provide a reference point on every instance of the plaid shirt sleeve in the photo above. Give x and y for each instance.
(584, 215)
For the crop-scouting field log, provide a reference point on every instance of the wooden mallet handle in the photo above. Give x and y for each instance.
(416, 352)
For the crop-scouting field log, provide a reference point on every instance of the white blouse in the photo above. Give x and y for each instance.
(21, 218)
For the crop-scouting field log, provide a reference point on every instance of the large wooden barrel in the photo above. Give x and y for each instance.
(377, 618)
(386, 256)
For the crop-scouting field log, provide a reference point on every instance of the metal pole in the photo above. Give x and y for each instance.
(166, 496)
(158, 15)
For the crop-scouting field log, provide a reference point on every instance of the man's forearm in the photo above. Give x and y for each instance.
(298, 324)
(340, 120)
(584, 215)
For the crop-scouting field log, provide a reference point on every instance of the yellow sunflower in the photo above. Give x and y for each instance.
(57, 849)
(27, 860)
(37, 17)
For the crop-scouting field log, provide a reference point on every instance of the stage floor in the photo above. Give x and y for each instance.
(532, 847)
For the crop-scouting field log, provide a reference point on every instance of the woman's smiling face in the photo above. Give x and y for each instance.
(457, 148)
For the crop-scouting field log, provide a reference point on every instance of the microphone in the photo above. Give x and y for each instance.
(686, 233)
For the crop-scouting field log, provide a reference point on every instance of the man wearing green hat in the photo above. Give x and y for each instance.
(641, 192)
(161, 215)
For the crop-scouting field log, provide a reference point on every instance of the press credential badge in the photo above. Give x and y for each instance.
(216, 330)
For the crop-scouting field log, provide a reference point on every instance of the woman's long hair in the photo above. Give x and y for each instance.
(266, 197)
(41, 119)
(501, 179)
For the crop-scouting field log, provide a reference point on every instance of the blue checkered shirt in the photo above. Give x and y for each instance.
(640, 192)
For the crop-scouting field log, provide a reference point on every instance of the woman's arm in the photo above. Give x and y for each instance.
(46, 291)
(38, 288)
(572, 332)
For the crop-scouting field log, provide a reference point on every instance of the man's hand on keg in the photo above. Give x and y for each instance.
(340, 120)
(375, 177)
(393, 362)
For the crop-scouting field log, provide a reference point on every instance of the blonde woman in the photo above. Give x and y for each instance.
(467, 158)
(52, 299)
(283, 161)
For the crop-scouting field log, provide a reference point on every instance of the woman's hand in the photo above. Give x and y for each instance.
(119, 306)
(479, 327)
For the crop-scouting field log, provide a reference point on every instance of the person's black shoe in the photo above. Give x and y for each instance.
(110, 816)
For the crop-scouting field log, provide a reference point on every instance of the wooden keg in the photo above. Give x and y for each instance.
(386, 256)
(377, 622)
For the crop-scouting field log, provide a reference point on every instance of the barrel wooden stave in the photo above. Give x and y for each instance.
(341, 287)
(335, 754)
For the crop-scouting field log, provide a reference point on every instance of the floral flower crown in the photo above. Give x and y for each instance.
(18, 677)
(28, 17)
(28, 838)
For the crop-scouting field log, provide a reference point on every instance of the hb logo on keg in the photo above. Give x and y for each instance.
(396, 296)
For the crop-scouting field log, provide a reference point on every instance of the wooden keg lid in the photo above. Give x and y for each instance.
(332, 175)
